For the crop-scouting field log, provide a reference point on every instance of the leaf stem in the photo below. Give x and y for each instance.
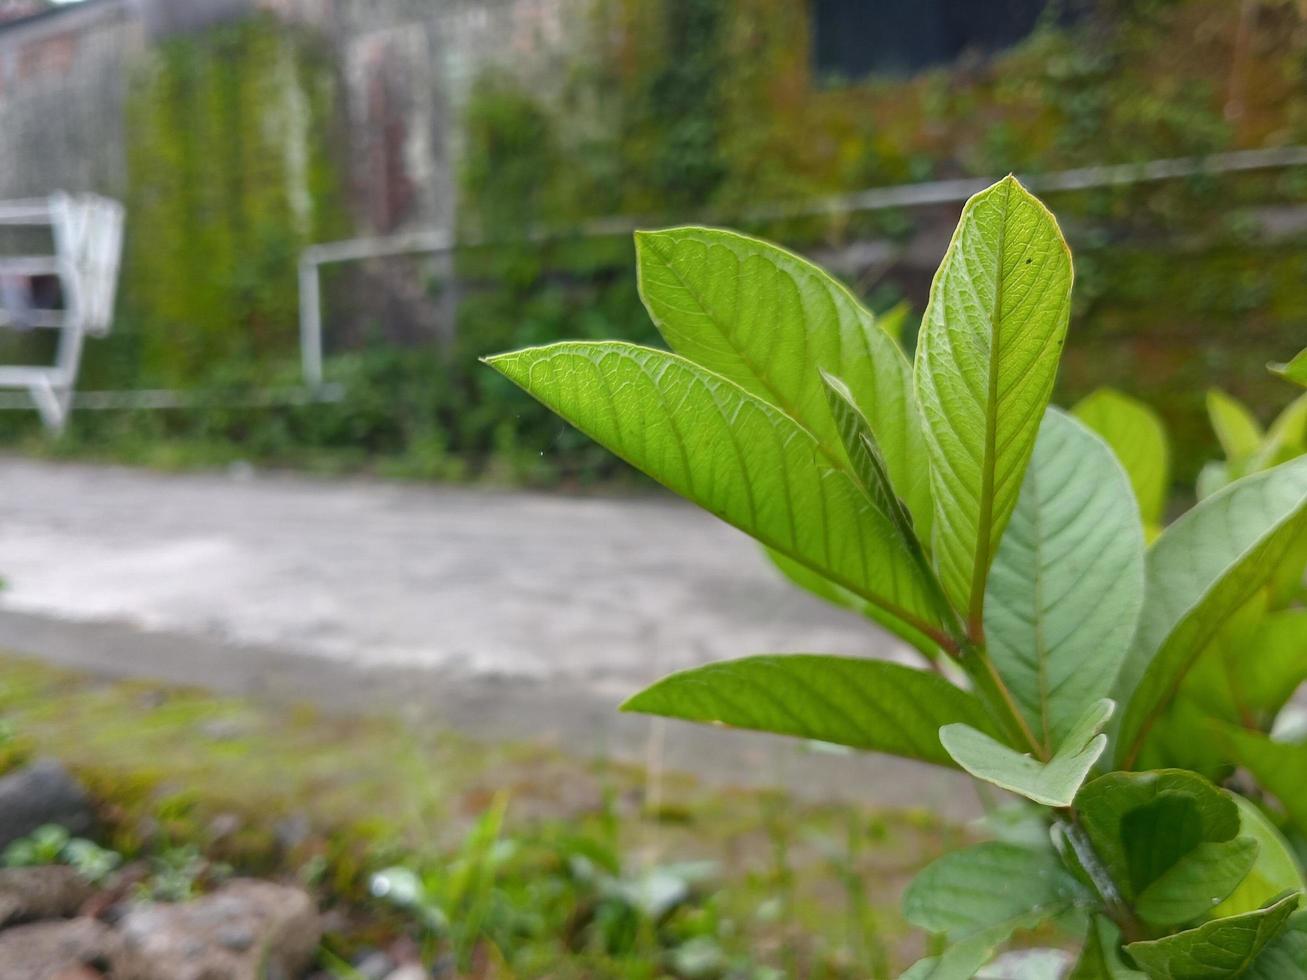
(994, 681)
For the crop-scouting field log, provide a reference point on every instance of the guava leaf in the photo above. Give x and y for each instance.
(1201, 570)
(823, 588)
(1052, 783)
(1280, 768)
(769, 321)
(986, 360)
(1197, 883)
(1067, 584)
(1142, 823)
(736, 456)
(865, 704)
(1138, 438)
(967, 891)
(1274, 662)
(1236, 428)
(1295, 370)
(1285, 957)
(1220, 948)
(1276, 870)
(1100, 958)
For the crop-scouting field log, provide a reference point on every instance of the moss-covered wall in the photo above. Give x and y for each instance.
(687, 107)
(231, 173)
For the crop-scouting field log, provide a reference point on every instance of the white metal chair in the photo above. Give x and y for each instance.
(87, 232)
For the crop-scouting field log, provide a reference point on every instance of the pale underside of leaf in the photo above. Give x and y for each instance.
(1199, 573)
(987, 357)
(1067, 583)
(865, 704)
(769, 321)
(1051, 783)
(736, 456)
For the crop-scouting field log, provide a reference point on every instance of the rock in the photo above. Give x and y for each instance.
(55, 891)
(42, 793)
(56, 950)
(374, 965)
(410, 972)
(246, 930)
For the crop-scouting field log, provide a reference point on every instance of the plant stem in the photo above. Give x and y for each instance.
(992, 681)
(1118, 910)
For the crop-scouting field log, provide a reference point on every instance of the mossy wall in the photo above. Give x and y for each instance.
(682, 108)
(231, 173)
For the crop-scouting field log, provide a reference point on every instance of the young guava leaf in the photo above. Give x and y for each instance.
(963, 959)
(1137, 436)
(1280, 768)
(1067, 583)
(970, 890)
(769, 320)
(987, 356)
(1220, 948)
(1141, 824)
(1295, 370)
(1100, 958)
(1285, 957)
(1052, 783)
(1285, 438)
(1197, 883)
(736, 456)
(1201, 570)
(1236, 428)
(823, 588)
(1275, 872)
(865, 704)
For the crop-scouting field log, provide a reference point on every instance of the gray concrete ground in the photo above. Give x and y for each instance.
(507, 615)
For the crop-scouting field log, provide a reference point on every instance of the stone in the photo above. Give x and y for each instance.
(56, 950)
(54, 891)
(410, 972)
(246, 930)
(42, 793)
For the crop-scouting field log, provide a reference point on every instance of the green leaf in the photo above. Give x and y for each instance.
(866, 704)
(1285, 438)
(986, 359)
(1274, 662)
(1285, 957)
(1142, 823)
(1221, 948)
(1201, 570)
(1100, 959)
(967, 891)
(1052, 783)
(1295, 370)
(733, 454)
(769, 320)
(1276, 870)
(1138, 438)
(823, 588)
(1067, 584)
(962, 960)
(1278, 766)
(1236, 428)
(1197, 883)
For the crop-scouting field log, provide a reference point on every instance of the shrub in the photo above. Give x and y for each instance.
(1003, 540)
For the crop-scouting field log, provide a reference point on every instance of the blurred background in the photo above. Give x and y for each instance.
(373, 606)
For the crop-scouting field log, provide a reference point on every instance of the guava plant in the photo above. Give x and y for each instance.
(1004, 541)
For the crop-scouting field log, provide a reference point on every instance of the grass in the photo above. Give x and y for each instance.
(763, 886)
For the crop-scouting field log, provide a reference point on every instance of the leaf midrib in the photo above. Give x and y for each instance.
(980, 560)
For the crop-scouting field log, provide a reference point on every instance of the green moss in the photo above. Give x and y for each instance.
(231, 174)
(287, 791)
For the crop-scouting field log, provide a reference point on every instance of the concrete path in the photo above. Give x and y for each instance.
(506, 614)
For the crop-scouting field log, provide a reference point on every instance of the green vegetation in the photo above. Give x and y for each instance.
(516, 859)
(677, 108)
(1093, 661)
